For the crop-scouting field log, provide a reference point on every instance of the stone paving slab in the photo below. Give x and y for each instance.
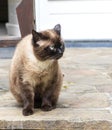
(67, 100)
(85, 101)
(66, 119)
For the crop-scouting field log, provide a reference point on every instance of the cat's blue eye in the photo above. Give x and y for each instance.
(51, 48)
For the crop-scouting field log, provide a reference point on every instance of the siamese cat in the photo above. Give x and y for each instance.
(35, 75)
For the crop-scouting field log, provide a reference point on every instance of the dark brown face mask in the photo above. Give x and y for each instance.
(48, 44)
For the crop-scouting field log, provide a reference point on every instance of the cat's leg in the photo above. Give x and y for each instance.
(50, 98)
(27, 95)
(46, 104)
(37, 100)
(51, 94)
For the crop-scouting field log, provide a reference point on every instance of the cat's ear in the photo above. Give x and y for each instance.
(36, 36)
(57, 29)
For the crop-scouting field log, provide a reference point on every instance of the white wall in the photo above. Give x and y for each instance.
(80, 19)
(12, 25)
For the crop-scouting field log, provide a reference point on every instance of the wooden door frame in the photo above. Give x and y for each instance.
(26, 22)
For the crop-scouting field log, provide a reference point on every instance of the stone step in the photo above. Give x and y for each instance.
(67, 116)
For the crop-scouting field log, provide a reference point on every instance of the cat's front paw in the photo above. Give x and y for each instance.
(46, 108)
(27, 112)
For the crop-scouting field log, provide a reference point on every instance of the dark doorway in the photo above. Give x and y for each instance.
(3, 10)
(3, 17)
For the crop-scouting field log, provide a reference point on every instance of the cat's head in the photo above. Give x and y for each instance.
(48, 44)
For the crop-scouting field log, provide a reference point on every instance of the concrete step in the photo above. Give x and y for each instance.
(66, 116)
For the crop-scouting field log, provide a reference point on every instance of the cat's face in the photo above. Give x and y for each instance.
(48, 44)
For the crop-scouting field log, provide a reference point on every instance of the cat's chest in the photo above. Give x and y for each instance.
(39, 72)
(42, 77)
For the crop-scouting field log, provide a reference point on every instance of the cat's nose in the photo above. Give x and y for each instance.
(60, 51)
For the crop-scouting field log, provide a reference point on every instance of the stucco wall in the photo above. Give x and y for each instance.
(12, 26)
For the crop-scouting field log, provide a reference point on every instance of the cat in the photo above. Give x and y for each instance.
(35, 75)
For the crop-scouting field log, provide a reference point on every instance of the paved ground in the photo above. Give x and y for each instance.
(85, 102)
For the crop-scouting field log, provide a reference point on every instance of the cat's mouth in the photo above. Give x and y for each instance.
(57, 56)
